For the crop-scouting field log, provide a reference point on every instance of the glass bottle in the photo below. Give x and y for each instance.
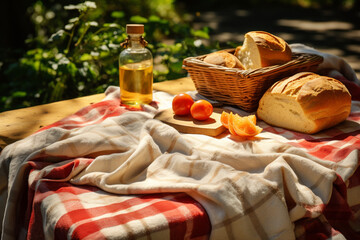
(135, 68)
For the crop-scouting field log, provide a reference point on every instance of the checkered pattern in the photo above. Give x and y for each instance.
(110, 172)
(88, 213)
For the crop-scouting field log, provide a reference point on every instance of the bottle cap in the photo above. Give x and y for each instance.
(134, 28)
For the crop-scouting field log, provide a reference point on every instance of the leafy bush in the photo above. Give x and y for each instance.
(81, 58)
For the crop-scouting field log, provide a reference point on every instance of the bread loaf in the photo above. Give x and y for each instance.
(305, 102)
(262, 49)
(223, 58)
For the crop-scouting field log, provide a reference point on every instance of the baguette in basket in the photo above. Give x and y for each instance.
(223, 58)
(244, 87)
(262, 49)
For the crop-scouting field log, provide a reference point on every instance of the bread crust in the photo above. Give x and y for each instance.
(273, 50)
(263, 49)
(323, 102)
(223, 58)
(237, 51)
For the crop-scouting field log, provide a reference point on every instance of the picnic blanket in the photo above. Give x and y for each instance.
(112, 172)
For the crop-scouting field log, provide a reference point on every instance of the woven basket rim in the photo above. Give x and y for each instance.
(297, 58)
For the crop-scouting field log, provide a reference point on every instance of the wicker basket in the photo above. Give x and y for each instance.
(243, 88)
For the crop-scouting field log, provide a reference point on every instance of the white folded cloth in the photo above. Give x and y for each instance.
(332, 65)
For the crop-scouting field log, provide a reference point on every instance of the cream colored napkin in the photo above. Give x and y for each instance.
(331, 62)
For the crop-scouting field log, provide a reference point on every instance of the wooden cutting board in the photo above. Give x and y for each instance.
(187, 124)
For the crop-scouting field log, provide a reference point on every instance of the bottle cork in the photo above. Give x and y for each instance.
(134, 28)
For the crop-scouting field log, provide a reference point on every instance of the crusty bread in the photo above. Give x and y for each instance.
(305, 102)
(223, 58)
(262, 49)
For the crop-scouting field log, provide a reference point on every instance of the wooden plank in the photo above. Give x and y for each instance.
(180, 85)
(20, 123)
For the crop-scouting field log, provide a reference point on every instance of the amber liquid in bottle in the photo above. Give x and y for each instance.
(135, 68)
(139, 89)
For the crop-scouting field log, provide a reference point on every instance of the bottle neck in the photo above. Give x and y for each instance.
(134, 41)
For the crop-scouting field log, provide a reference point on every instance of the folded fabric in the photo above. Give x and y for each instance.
(332, 65)
(251, 188)
(353, 88)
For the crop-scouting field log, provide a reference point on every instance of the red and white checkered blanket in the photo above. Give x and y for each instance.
(111, 172)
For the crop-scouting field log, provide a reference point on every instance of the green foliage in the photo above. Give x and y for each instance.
(81, 56)
(74, 49)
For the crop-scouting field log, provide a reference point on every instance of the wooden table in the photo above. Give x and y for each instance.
(20, 123)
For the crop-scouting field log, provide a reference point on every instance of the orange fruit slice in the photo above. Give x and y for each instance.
(230, 124)
(243, 126)
(252, 118)
(224, 119)
(240, 126)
